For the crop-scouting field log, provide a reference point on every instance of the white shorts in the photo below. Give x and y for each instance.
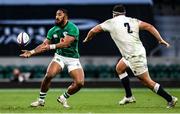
(138, 64)
(70, 63)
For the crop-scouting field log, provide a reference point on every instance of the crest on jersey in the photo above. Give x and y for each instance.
(65, 33)
(58, 59)
(55, 36)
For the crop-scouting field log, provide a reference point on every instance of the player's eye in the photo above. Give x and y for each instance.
(58, 14)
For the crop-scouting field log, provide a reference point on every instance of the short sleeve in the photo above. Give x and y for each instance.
(138, 21)
(73, 31)
(105, 25)
(50, 34)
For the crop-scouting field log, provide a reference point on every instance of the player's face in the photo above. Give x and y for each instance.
(60, 16)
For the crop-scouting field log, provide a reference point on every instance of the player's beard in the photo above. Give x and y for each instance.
(59, 23)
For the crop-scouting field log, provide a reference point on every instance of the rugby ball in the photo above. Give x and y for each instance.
(23, 39)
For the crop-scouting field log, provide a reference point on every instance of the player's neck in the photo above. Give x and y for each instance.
(64, 24)
(118, 15)
(121, 15)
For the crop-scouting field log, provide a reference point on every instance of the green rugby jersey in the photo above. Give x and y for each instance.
(56, 33)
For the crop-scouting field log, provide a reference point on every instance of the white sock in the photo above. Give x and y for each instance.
(62, 97)
(123, 75)
(156, 87)
(42, 96)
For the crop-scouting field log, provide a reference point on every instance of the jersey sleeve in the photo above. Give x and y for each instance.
(50, 34)
(137, 20)
(105, 25)
(73, 31)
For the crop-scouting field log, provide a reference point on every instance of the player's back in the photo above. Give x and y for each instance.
(125, 33)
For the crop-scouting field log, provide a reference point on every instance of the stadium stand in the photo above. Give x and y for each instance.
(159, 71)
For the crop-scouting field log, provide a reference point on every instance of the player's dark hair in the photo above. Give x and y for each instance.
(119, 8)
(65, 11)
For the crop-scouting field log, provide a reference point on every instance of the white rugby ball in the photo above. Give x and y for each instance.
(23, 39)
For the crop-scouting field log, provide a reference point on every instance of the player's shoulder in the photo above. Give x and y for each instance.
(133, 19)
(108, 21)
(52, 31)
(54, 28)
(72, 25)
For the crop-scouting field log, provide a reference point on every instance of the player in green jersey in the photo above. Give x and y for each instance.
(63, 37)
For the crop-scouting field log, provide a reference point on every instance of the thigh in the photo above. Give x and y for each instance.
(59, 60)
(138, 64)
(121, 65)
(74, 68)
(72, 63)
(53, 69)
(77, 75)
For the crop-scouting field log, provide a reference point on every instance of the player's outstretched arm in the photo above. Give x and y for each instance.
(64, 43)
(92, 33)
(37, 50)
(154, 32)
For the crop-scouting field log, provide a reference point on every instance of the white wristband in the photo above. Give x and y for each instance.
(32, 51)
(52, 46)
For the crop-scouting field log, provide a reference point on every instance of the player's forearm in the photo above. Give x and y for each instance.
(62, 45)
(38, 50)
(97, 29)
(90, 34)
(58, 45)
(155, 33)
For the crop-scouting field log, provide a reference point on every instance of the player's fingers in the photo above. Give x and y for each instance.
(25, 56)
(167, 45)
(84, 41)
(24, 50)
(22, 55)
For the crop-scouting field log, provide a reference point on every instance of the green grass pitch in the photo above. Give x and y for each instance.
(86, 101)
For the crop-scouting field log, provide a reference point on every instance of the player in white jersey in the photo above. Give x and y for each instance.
(125, 33)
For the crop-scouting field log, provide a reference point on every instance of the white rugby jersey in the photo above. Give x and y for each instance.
(125, 33)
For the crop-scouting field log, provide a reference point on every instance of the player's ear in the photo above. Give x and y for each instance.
(66, 16)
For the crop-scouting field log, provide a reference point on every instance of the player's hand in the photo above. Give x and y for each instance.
(164, 43)
(45, 47)
(86, 40)
(26, 54)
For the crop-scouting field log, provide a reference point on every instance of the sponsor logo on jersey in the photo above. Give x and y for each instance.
(58, 59)
(65, 33)
(55, 36)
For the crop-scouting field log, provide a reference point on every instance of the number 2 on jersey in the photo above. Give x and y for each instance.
(128, 27)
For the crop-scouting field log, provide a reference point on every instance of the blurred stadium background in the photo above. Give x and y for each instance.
(100, 56)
